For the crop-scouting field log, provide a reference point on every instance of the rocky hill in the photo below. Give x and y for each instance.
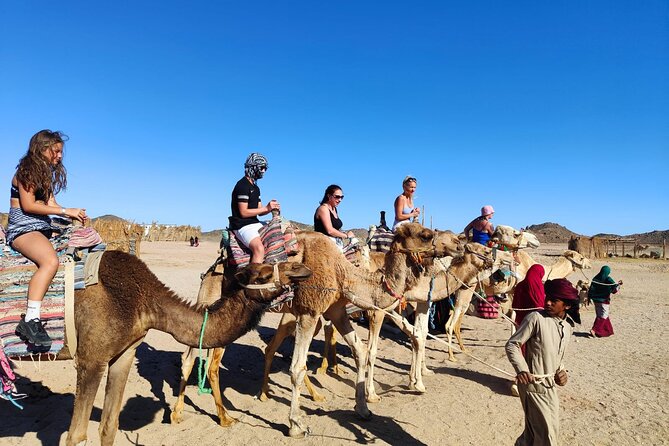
(551, 232)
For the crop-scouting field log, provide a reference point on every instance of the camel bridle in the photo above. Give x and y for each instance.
(273, 285)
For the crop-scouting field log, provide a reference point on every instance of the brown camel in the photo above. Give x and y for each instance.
(114, 316)
(445, 242)
(325, 294)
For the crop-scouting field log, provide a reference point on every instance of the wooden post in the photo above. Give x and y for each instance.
(623, 248)
(635, 245)
(664, 248)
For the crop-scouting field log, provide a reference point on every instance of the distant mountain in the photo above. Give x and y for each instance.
(551, 232)
(108, 217)
(653, 237)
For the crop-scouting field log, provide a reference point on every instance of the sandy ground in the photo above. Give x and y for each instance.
(617, 393)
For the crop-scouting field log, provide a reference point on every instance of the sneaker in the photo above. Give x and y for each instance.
(33, 332)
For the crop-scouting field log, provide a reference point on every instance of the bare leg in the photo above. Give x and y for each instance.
(116, 380)
(187, 362)
(257, 250)
(38, 248)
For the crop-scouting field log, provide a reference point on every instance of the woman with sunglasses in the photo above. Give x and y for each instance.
(404, 207)
(326, 218)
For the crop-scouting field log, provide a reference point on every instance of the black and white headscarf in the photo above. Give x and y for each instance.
(253, 165)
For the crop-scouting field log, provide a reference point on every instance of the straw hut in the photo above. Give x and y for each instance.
(170, 233)
(119, 234)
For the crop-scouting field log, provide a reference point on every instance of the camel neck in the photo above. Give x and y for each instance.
(233, 317)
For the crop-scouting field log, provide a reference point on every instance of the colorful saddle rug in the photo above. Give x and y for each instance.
(278, 245)
(15, 274)
(381, 240)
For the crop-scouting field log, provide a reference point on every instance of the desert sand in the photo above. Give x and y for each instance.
(618, 390)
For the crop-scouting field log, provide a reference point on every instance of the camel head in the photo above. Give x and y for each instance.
(506, 235)
(264, 282)
(578, 260)
(413, 238)
(447, 243)
(478, 255)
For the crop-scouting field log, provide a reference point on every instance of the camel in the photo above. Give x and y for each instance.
(513, 239)
(437, 283)
(113, 317)
(325, 295)
(569, 262)
(445, 242)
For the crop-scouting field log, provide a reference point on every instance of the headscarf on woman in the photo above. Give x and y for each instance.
(602, 286)
(529, 293)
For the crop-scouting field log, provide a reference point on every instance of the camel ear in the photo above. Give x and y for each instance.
(462, 237)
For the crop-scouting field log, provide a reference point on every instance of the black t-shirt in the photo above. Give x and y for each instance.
(244, 192)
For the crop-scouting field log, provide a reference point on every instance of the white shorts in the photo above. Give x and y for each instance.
(247, 233)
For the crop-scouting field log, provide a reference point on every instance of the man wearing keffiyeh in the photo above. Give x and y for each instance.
(545, 335)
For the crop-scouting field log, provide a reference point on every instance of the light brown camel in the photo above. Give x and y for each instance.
(324, 294)
(445, 242)
(569, 262)
(113, 317)
(435, 284)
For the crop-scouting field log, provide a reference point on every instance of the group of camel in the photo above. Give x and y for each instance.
(113, 317)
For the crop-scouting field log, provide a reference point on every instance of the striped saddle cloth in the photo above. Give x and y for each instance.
(15, 274)
(381, 241)
(278, 245)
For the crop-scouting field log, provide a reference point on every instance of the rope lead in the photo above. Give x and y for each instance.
(200, 371)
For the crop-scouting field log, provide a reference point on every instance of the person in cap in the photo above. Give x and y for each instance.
(545, 335)
(481, 227)
(246, 206)
(405, 211)
(600, 294)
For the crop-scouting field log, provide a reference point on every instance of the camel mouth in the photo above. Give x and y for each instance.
(298, 273)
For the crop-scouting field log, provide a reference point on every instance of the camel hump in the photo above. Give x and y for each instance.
(119, 269)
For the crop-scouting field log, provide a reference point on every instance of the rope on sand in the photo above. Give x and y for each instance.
(395, 315)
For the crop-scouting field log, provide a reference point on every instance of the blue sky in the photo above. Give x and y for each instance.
(549, 111)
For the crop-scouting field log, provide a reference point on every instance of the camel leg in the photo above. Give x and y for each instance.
(215, 356)
(286, 328)
(375, 323)
(410, 331)
(304, 332)
(117, 378)
(89, 374)
(187, 363)
(330, 353)
(458, 335)
(420, 336)
(341, 321)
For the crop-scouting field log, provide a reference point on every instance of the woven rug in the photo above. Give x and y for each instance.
(15, 274)
(381, 241)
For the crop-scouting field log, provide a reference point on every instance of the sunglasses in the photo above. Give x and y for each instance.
(409, 180)
(338, 197)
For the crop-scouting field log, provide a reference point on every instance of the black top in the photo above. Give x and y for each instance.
(244, 192)
(318, 224)
(39, 194)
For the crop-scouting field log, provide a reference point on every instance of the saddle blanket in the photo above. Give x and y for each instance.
(381, 241)
(15, 274)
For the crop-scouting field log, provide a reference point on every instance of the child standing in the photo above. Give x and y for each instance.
(545, 335)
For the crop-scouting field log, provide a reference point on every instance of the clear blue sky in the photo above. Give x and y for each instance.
(550, 111)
